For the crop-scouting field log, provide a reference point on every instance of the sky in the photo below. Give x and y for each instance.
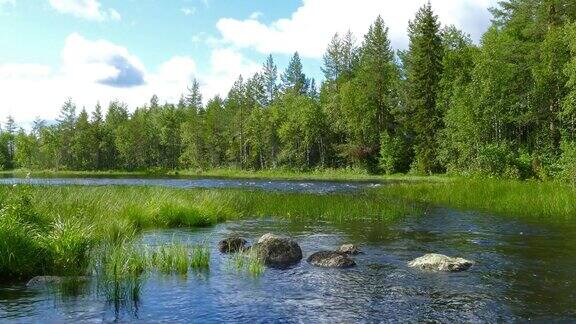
(102, 50)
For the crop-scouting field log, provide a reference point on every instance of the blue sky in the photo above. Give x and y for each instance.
(99, 50)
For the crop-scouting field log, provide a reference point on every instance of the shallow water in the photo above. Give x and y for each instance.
(269, 185)
(523, 271)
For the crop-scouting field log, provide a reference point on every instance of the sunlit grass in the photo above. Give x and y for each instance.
(172, 258)
(247, 262)
(550, 201)
(52, 230)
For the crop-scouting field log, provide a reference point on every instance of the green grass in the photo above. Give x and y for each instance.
(247, 262)
(200, 257)
(53, 230)
(552, 202)
(120, 273)
(172, 258)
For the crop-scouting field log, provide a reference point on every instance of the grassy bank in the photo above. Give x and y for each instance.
(231, 173)
(53, 230)
(551, 201)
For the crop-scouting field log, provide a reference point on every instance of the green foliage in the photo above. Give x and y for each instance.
(451, 104)
(391, 153)
(568, 162)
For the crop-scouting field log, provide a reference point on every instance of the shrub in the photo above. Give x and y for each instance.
(568, 162)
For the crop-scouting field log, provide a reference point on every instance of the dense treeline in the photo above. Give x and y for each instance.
(506, 107)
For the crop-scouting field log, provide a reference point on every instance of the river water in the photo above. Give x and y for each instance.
(523, 271)
(270, 185)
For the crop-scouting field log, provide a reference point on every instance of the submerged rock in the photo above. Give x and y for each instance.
(440, 262)
(47, 280)
(278, 252)
(232, 245)
(349, 249)
(331, 259)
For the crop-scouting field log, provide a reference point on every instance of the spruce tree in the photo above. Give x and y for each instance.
(424, 71)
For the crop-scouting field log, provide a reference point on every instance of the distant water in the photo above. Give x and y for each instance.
(524, 271)
(271, 185)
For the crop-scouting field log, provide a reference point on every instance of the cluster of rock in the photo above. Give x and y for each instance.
(283, 252)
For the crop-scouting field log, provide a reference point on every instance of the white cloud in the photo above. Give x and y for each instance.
(188, 11)
(305, 32)
(86, 9)
(225, 66)
(23, 71)
(255, 15)
(100, 71)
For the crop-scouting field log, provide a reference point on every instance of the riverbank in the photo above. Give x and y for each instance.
(53, 230)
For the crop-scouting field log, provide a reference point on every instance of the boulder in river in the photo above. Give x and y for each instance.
(232, 244)
(350, 249)
(440, 262)
(331, 259)
(278, 252)
(268, 236)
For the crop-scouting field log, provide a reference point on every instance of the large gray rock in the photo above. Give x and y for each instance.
(232, 245)
(350, 249)
(278, 252)
(268, 236)
(440, 262)
(331, 259)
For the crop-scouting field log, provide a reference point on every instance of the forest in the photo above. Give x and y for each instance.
(505, 107)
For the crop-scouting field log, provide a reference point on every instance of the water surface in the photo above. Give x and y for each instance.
(523, 272)
(269, 185)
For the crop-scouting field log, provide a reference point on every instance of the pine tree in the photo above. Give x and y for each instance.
(424, 73)
(293, 79)
(66, 126)
(193, 98)
(270, 75)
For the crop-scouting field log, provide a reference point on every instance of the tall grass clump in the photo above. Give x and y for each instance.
(21, 255)
(172, 258)
(248, 262)
(68, 244)
(120, 271)
(173, 215)
(200, 257)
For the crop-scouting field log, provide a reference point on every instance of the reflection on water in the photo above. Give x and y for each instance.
(523, 271)
(269, 185)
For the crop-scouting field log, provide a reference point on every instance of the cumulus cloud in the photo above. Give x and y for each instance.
(225, 66)
(101, 61)
(87, 9)
(94, 71)
(306, 32)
